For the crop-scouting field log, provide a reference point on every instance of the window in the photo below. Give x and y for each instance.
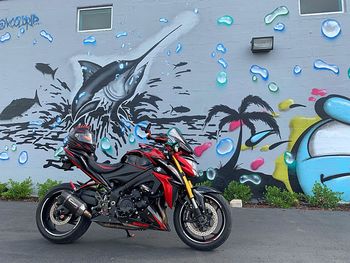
(312, 7)
(95, 18)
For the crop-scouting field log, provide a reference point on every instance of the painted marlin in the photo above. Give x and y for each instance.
(118, 80)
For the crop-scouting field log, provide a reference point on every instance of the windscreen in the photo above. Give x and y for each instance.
(176, 136)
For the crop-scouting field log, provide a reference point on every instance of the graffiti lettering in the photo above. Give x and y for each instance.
(19, 21)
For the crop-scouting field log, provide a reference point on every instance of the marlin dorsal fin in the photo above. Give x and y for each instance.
(88, 68)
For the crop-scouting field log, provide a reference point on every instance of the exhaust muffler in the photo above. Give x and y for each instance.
(74, 204)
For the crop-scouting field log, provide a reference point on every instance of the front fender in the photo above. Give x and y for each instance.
(206, 189)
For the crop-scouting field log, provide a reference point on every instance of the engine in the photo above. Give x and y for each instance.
(130, 204)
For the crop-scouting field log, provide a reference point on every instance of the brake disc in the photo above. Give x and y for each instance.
(58, 221)
(195, 230)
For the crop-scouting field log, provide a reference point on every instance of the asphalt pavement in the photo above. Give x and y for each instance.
(258, 235)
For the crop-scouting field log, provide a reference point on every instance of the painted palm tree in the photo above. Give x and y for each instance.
(245, 118)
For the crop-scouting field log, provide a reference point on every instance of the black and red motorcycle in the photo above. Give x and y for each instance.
(134, 194)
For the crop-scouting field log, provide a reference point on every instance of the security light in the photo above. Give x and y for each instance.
(261, 44)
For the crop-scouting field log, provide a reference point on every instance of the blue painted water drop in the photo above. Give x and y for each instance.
(131, 138)
(178, 47)
(262, 72)
(273, 87)
(297, 69)
(163, 20)
(139, 132)
(13, 147)
(35, 42)
(211, 173)
(254, 78)
(279, 27)
(253, 178)
(213, 54)
(225, 146)
(221, 78)
(22, 30)
(221, 48)
(289, 159)
(330, 28)
(196, 11)
(200, 172)
(65, 140)
(121, 34)
(4, 156)
(225, 20)
(279, 11)
(258, 137)
(123, 45)
(59, 120)
(321, 65)
(23, 157)
(90, 40)
(105, 144)
(46, 35)
(168, 52)
(223, 63)
(6, 148)
(5, 37)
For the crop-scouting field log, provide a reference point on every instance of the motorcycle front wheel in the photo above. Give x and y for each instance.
(55, 228)
(216, 227)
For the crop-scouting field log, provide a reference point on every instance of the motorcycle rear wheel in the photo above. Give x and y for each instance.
(54, 229)
(218, 226)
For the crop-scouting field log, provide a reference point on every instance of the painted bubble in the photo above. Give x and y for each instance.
(121, 34)
(262, 72)
(257, 163)
(321, 65)
(35, 42)
(223, 63)
(178, 48)
(13, 147)
(46, 35)
(258, 137)
(138, 130)
(131, 138)
(168, 52)
(213, 54)
(289, 159)
(319, 92)
(225, 146)
(225, 20)
(279, 27)
(297, 70)
(234, 125)
(59, 152)
(5, 37)
(4, 156)
(22, 30)
(23, 157)
(254, 78)
(163, 20)
(196, 11)
(279, 11)
(273, 87)
(90, 40)
(221, 78)
(221, 48)
(105, 144)
(311, 99)
(253, 178)
(199, 150)
(123, 45)
(6, 148)
(330, 28)
(211, 173)
(284, 105)
(200, 172)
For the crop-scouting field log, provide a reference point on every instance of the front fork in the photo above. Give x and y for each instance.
(189, 189)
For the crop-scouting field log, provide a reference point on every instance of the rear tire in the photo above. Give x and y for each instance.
(47, 227)
(224, 227)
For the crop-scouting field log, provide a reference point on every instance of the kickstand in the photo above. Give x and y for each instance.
(129, 234)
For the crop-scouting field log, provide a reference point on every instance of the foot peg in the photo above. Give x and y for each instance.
(129, 234)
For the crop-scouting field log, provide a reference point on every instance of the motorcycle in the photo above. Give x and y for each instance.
(135, 193)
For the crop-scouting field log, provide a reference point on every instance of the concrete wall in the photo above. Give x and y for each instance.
(185, 80)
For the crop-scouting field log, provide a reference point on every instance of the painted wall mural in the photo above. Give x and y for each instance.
(117, 93)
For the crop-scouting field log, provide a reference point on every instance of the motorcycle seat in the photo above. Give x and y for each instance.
(103, 168)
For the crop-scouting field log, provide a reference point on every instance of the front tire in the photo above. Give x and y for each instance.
(218, 226)
(53, 229)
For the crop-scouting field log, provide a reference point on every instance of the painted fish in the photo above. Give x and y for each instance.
(179, 109)
(118, 80)
(19, 106)
(46, 69)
